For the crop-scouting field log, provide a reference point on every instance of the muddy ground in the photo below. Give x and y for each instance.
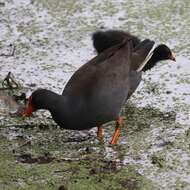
(52, 38)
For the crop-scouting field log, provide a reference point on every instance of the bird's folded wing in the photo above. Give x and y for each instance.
(141, 54)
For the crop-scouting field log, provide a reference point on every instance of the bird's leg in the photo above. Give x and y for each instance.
(99, 132)
(119, 124)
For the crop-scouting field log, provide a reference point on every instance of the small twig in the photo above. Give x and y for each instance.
(7, 88)
(25, 144)
(9, 82)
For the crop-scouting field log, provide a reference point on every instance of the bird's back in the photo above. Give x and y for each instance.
(103, 40)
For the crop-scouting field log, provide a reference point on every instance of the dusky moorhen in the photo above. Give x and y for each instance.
(103, 40)
(95, 93)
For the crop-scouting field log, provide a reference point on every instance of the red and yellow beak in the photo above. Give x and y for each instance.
(172, 57)
(28, 110)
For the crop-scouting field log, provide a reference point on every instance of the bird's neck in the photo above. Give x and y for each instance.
(51, 101)
(151, 63)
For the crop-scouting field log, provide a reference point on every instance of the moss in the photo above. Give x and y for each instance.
(76, 164)
(144, 117)
(123, 179)
(90, 172)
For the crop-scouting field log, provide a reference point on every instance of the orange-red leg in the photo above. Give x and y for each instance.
(119, 124)
(99, 132)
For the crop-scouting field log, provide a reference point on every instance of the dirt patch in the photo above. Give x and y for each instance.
(29, 159)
